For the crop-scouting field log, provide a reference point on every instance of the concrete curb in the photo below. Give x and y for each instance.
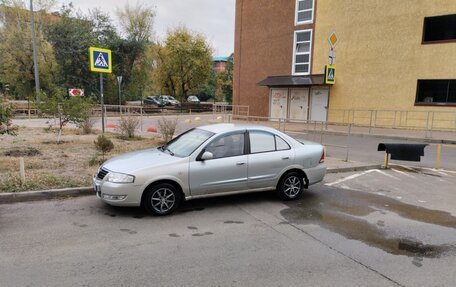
(25, 196)
(12, 197)
(353, 168)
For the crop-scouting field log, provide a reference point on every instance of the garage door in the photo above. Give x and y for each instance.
(299, 104)
(319, 105)
(278, 104)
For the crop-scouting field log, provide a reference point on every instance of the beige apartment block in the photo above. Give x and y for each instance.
(395, 61)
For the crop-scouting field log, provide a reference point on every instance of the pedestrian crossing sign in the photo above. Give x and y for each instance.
(100, 60)
(330, 75)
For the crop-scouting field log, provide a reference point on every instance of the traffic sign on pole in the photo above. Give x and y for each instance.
(100, 60)
(330, 75)
(333, 39)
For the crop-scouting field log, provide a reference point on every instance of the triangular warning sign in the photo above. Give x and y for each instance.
(101, 61)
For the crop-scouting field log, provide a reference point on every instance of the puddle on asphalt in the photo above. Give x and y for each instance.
(339, 210)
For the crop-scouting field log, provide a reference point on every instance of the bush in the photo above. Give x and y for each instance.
(87, 125)
(127, 126)
(103, 144)
(167, 128)
(6, 113)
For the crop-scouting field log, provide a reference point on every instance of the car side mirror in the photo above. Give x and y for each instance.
(207, 155)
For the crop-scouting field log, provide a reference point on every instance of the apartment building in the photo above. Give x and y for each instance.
(388, 55)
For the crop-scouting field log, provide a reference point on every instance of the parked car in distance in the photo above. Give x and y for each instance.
(153, 100)
(193, 99)
(208, 161)
(169, 100)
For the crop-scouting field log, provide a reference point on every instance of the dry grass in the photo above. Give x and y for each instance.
(58, 165)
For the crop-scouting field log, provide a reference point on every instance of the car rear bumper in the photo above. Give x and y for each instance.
(316, 174)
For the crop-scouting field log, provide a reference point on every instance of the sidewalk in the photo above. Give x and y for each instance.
(445, 137)
(334, 166)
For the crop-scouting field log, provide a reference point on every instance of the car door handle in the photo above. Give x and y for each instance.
(240, 163)
(285, 157)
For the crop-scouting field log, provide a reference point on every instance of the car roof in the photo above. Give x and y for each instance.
(221, 128)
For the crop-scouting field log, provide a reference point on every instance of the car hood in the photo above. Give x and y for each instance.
(138, 160)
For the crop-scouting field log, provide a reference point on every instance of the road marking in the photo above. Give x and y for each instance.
(386, 174)
(349, 177)
(403, 173)
(358, 175)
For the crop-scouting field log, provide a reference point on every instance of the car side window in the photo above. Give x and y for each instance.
(266, 142)
(226, 146)
(281, 144)
(261, 142)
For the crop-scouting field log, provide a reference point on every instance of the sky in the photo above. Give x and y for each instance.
(212, 18)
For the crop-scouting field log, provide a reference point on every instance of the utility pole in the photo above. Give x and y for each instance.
(35, 58)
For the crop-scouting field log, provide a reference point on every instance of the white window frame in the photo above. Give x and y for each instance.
(296, 13)
(293, 72)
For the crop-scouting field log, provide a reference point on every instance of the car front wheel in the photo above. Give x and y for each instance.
(290, 186)
(162, 199)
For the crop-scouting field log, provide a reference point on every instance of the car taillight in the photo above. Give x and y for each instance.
(322, 158)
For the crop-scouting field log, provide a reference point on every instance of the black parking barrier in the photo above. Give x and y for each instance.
(406, 152)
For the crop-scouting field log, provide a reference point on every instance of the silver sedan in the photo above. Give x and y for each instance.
(210, 161)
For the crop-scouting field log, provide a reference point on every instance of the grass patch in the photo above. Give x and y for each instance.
(12, 183)
(71, 164)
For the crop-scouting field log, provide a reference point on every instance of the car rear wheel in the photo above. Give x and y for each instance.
(162, 199)
(290, 186)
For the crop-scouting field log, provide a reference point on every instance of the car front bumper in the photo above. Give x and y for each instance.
(117, 194)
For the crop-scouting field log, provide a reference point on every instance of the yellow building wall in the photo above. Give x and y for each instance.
(379, 56)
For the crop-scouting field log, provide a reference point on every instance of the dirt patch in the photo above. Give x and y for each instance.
(22, 152)
(51, 165)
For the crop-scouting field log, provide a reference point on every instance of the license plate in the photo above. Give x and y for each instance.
(96, 187)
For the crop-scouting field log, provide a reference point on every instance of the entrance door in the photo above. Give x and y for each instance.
(279, 103)
(319, 105)
(299, 104)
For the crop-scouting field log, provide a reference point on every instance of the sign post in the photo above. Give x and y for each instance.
(119, 81)
(330, 70)
(333, 39)
(100, 61)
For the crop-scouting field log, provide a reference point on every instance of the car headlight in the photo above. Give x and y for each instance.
(117, 177)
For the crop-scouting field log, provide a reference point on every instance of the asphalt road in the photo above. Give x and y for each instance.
(372, 228)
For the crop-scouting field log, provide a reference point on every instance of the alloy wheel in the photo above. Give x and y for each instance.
(292, 186)
(163, 200)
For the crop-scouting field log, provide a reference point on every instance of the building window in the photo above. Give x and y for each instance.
(439, 28)
(436, 92)
(304, 11)
(301, 52)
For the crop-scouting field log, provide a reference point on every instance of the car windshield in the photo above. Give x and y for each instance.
(185, 144)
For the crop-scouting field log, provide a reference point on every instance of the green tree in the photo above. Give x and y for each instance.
(184, 63)
(132, 54)
(207, 92)
(226, 80)
(71, 36)
(16, 65)
(65, 109)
